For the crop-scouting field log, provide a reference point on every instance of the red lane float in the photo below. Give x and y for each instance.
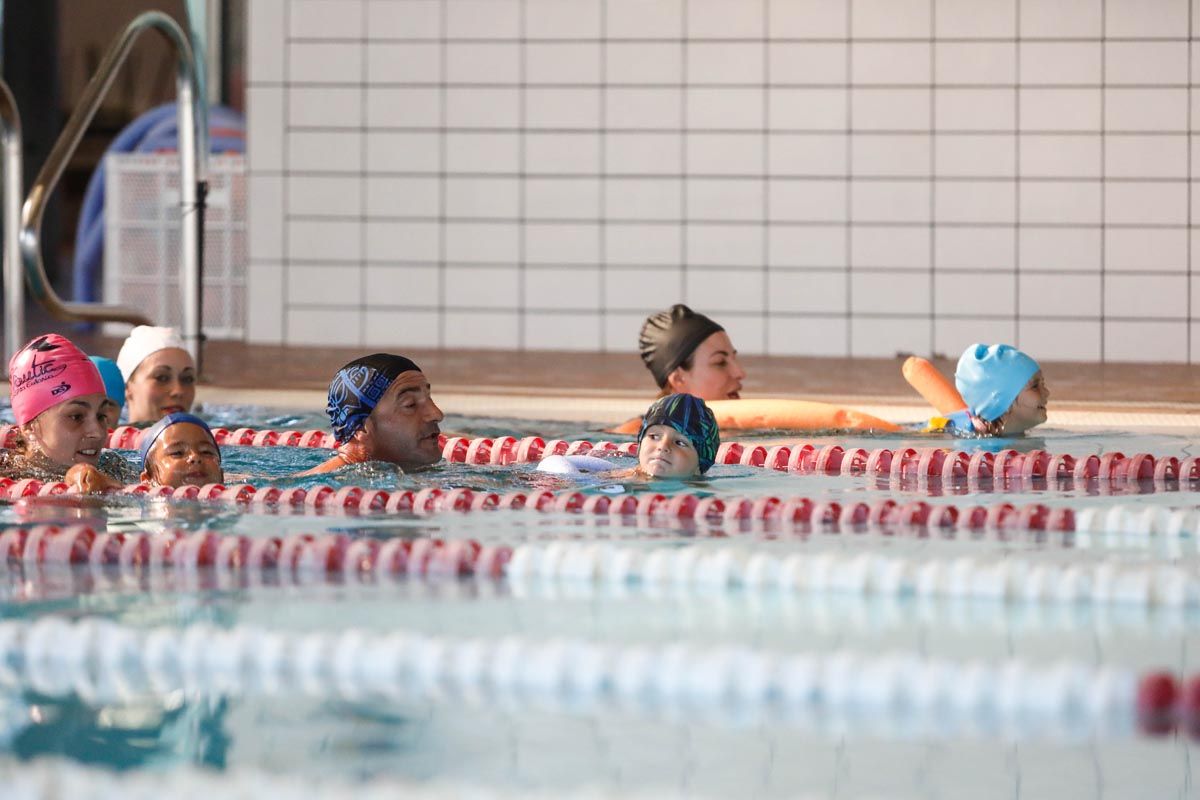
(905, 464)
(326, 553)
(684, 506)
(936, 463)
(339, 554)
(127, 437)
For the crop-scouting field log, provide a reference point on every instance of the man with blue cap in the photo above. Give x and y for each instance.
(381, 409)
(1003, 388)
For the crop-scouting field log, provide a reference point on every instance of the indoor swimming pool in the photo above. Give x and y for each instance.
(861, 617)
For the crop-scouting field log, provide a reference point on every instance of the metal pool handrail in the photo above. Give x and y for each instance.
(190, 186)
(14, 288)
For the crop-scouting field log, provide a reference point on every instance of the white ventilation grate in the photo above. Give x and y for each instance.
(142, 233)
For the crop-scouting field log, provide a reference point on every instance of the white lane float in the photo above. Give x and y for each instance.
(104, 661)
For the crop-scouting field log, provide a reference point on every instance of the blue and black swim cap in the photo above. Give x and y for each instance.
(151, 434)
(690, 416)
(358, 387)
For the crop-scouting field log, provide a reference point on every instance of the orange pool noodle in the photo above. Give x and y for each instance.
(796, 415)
(932, 385)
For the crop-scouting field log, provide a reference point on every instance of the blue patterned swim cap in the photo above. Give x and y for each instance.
(690, 416)
(358, 387)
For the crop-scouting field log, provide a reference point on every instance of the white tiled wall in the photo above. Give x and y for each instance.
(829, 177)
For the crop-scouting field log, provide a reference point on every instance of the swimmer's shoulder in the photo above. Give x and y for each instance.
(629, 427)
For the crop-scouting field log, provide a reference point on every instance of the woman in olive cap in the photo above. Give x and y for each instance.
(688, 353)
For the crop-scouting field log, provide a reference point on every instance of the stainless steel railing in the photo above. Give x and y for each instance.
(193, 172)
(14, 286)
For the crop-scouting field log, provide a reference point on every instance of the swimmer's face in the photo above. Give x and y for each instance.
(73, 432)
(403, 427)
(1029, 409)
(666, 453)
(184, 455)
(162, 384)
(715, 373)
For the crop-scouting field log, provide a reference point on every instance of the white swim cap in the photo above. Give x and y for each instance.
(143, 342)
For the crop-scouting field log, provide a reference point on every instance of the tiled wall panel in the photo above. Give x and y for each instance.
(828, 177)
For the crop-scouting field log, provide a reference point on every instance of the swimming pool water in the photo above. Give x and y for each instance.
(285, 707)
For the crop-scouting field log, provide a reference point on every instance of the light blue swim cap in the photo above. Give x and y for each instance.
(989, 378)
(114, 383)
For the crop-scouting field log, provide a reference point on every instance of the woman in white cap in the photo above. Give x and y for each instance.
(160, 376)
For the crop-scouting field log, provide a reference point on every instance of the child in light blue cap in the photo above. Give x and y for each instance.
(114, 382)
(1003, 388)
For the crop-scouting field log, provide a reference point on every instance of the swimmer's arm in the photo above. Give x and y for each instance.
(348, 453)
(630, 427)
(332, 465)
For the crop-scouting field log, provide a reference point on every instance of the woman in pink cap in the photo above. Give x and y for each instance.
(59, 402)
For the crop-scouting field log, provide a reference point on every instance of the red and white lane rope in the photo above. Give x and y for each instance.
(318, 554)
(127, 437)
(792, 511)
(103, 661)
(56, 779)
(902, 465)
(810, 571)
(770, 511)
(945, 464)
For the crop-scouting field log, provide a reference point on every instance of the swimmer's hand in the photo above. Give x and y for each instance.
(87, 479)
(985, 428)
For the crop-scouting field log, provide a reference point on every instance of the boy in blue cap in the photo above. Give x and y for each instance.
(678, 439)
(1004, 390)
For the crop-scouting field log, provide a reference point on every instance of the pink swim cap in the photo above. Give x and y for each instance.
(48, 371)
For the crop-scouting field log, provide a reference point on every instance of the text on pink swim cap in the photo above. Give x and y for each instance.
(48, 371)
